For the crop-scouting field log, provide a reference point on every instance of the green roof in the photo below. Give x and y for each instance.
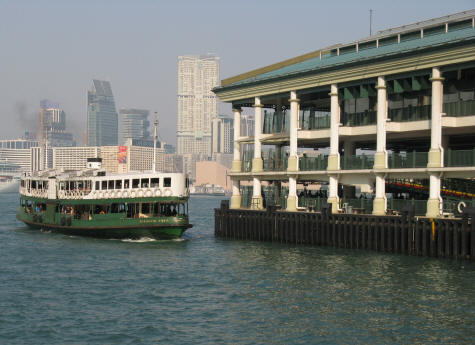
(317, 64)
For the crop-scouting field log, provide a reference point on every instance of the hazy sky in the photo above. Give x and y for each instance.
(53, 49)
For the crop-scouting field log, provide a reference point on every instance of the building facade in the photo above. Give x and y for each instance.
(222, 135)
(102, 122)
(394, 111)
(74, 158)
(133, 124)
(197, 104)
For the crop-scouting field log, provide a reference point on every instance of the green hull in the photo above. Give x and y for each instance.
(110, 225)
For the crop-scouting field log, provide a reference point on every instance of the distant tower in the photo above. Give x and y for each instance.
(133, 124)
(101, 115)
(197, 104)
(222, 134)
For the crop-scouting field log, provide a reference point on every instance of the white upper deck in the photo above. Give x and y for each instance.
(97, 184)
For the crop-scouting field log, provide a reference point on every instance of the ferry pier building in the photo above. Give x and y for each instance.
(394, 110)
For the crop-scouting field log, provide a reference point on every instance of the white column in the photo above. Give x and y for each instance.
(257, 164)
(294, 109)
(236, 165)
(380, 157)
(333, 192)
(236, 197)
(334, 157)
(435, 159)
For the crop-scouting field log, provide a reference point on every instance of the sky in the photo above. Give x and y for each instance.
(54, 49)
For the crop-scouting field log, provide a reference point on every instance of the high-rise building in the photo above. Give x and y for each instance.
(101, 115)
(133, 124)
(197, 104)
(52, 131)
(222, 134)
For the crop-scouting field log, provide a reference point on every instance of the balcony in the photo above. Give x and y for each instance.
(365, 118)
(459, 158)
(274, 162)
(407, 160)
(313, 163)
(320, 121)
(247, 161)
(410, 113)
(353, 162)
(274, 123)
(460, 108)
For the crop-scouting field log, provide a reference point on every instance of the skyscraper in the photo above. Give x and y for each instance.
(101, 115)
(222, 134)
(52, 131)
(133, 124)
(197, 104)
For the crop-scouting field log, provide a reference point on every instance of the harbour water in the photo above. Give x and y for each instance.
(57, 289)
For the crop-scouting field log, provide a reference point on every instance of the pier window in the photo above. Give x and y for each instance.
(135, 183)
(167, 182)
(118, 184)
(104, 185)
(154, 182)
(145, 182)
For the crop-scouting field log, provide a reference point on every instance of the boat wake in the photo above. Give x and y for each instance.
(139, 240)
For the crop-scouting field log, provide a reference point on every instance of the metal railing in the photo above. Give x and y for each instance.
(316, 122)
(398, 160)
(360, 205)
(459, 108)
(274, 162)
(420, 206)
(352, 162)
(410, 113)
(459, 158)
(364, 118)
(277, 122)
(247, 161)
(313, 163)
(312, 203)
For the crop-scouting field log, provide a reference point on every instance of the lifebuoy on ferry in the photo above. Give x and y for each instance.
(158, 192)
(168, 192)
(133, 194)
(140, 193)
(100, 195)
(148, 193)
(461, 205)
(125, 194)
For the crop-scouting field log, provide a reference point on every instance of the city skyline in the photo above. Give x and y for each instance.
(144, 74)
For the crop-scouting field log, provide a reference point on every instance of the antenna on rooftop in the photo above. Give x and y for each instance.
(155, 125)
(371, 22)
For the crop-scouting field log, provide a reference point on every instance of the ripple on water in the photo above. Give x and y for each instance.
(57, 289)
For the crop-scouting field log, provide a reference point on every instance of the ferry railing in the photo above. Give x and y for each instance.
(353, 162)
(407, 160)
(459, 158)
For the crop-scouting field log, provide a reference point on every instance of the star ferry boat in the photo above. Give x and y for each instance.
(91, 202)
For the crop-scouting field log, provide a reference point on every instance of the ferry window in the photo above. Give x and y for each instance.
(45, 184)
(80, 184)
(154, 182)
(101, 209)
(118, 184)
(145, 182)
(98, 185)
(167, 182)
(117, 208)
(135, 183)
(126, 184)
(132, 210)
(187, 182)
(156, 209)
(104, 185)
(62, 186)
(33, 184)
(22, 202)
(146, 208)
(111, 184)
(88, 185)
